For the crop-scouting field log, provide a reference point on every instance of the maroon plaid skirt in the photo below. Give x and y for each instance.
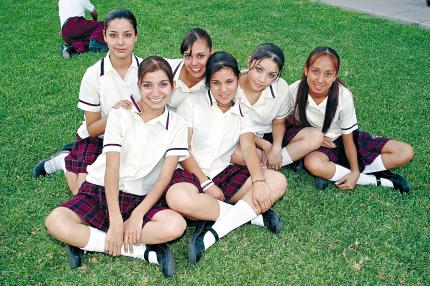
(230, 180)
(290, 132)
(90, 204)
(84, 153)
(368, 148)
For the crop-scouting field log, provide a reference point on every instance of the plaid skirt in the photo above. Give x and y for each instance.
(230, 180)
(290, 132)
(368, 148)
(84, 153)
(90, 204)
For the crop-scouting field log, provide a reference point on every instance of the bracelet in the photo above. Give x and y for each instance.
(208, 186)
(205, 183)
(262, 180)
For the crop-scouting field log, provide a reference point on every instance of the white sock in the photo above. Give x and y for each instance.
(258, 220)
(339, 173)
(286, 159)
(376, 166)
(224, 208)
(56, 163)
(363, 179)
(238, 215)
(96, 243)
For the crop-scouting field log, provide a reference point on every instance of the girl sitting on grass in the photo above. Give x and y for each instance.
(209, 181)
(79, 33)
(117, 209)
(266, 95)
(109, 81)
(347, 156)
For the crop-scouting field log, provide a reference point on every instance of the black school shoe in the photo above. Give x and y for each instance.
(296, 166)
(75, 256)
(68, 146)
(196, 246)
(272, 221)
(164, 258)
(399, 182)
(320, 183)
(39, 168)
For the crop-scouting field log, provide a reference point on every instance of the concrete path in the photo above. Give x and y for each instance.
(414, 12)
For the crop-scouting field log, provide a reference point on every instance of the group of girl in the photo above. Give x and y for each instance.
(229, 130)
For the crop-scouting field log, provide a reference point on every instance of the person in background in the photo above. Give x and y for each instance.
(79, 33)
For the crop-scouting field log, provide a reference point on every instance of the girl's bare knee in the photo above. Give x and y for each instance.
(313, 163)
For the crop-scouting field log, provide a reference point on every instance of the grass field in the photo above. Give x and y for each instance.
(370, 236)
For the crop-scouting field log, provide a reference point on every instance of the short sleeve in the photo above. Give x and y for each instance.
(89, 97)
(186, 111)
(292, 94)
(179, 146)
(347, 116)
(88, 6)
(285, 105)
(246, 125)
(113, 136)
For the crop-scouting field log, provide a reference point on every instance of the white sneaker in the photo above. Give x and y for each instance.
(64, 50)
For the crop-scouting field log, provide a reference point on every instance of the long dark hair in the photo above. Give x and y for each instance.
(333, 93)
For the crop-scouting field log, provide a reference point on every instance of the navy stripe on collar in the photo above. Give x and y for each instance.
(176, 69)
(167, 121)
(240, 109)
(137, 60)
(210, 97)
(271, 90)
(135, 104)
(102, 67)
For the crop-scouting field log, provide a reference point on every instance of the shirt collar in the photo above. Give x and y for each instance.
(177, 70)
(313, 104)
(235, 109)
(268, 92)
(108, 64)
(198, 86)
(163, 119)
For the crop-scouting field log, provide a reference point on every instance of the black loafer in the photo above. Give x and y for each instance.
(164, 257)
(196, 246)
(75, 256)
(296, 166)
(272, 221)
(399, 182)
(68, 146)
(320, 183)
(39, 169)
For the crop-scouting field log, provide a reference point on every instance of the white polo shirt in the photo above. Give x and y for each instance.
(73, 8)
(274, 102)
(344, 120)
(215, 134)
(182, 91)
(142, 146)
(102, 87)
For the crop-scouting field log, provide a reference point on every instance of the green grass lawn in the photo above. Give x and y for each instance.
(370, 236)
